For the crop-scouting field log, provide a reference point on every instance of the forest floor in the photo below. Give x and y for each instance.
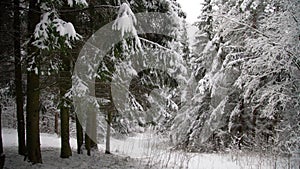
(154, 149)
(142, 151)
(50, 147)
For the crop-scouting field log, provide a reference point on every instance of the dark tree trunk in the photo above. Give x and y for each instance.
(87, 144)
(56, 130)
(91, 128)
(66, 151)
(254, 118)
(90, 135)
(79, 134)
(32, 118)
(109, 120)
(243, 124)
(65, 85)
(94, 132)
(18, 80)
(33, 93)
(91, 132)
(2, 156)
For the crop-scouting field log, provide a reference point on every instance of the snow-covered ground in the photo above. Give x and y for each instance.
(141, 151)
(50, 153)
(151, 148)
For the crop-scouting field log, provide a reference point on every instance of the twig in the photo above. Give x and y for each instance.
(87, 8)
(256, 30)
(64, 10)
(146, 40)
(294, 59)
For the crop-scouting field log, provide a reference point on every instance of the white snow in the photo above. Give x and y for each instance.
(245, 4)
(78, 2)
(154, 150)
(44, 37)
(134, 152)
(191, 32)
(50, 147)
(125, 20)
(70, 3)
(65, 28)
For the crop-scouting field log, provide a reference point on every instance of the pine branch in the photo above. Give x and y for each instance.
(244, 24)
(63, 10)
(88, 8)
(294, 59)
(156, 44)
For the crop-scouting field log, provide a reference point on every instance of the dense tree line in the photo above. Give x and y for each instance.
(246, 58)
(44, 55)
(236, 88)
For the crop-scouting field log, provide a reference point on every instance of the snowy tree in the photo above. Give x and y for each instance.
(33, 93)
(18, 79)
(117, 60)
(48, 33)
(247, 68)
(140, 97)
(264, 78)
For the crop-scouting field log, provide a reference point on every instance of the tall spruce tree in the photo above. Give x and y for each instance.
(53, 34)
(18, 79)
(33, 89)
(2, 156)
(245, 71)
(118, 53)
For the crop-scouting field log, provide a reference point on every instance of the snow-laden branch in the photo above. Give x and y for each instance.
(154, 43)
(294, 59)
(49, 23)
(88, 8)
(244, 24)
(77, 2)
(125, 20)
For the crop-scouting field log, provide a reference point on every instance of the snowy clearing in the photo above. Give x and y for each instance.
(152, 149)
(50, 150)
(145, 150)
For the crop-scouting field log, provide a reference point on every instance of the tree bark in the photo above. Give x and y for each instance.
(2, 156)
(91, 132)
(56, 130)
(94, 132)
(33, 93)
(18, 80)
(65, 85)
(107, 143)
(87, 144)
(109, 120)
(79, 133)
(32, 118)
(91, 126)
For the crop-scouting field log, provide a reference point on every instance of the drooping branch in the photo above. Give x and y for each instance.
(156, 44)
(26, 9)
(294, 59)
(88, 8)
(244, 24)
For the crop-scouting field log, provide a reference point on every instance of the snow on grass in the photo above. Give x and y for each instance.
(51, 160)
(155, 151)
(10, 139)
(50, 147)
(136, 151)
